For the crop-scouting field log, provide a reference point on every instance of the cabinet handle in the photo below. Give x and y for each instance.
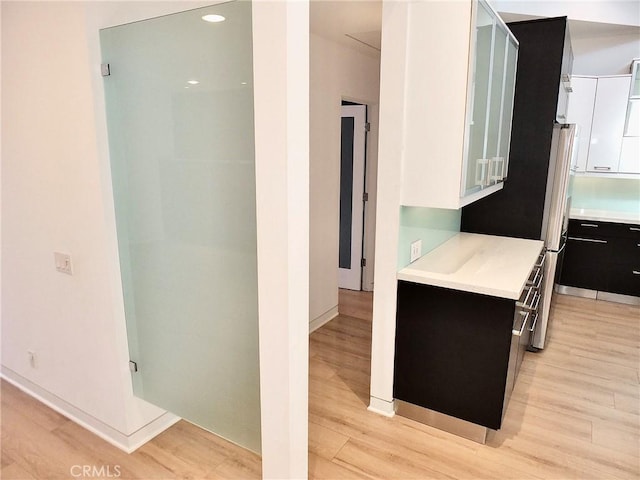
(601, 168)
(537, 280)
(533, 324)
(589, 225)
(518, 332)
(634, 229)
(592, 240)
(635, 272)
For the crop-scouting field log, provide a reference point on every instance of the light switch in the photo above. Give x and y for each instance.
(63, 262)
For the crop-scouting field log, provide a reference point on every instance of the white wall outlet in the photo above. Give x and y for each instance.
(416, 251)
(63, 262)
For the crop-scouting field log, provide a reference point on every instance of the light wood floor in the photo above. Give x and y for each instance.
(574, 414)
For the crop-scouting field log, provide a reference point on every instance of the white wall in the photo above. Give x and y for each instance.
(281, 92)
(53, 200)
(604, 55)
(336, 73)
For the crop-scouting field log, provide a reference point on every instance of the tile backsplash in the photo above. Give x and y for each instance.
(433, 226)
(600, 193)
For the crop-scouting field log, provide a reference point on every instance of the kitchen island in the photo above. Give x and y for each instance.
(463, 317)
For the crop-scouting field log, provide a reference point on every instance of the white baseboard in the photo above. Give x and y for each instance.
(326, 317)
(382, 407)
(127, 443)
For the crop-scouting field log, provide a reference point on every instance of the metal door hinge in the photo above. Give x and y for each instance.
(133, 366)
(367, 127)
(363, 262)
(105, 69)
(365, 197)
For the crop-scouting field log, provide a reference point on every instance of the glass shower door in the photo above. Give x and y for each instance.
(180, 117)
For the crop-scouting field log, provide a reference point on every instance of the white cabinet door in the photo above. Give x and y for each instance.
(630, 155)
(494, 68)
(458, 101)
(580, 112)
(612, 94)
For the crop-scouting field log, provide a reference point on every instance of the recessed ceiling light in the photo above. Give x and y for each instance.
(211, 18)
(193, 82)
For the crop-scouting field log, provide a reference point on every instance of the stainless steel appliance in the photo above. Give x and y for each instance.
(555, 220)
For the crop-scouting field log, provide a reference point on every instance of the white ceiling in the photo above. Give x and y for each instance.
(357, 23)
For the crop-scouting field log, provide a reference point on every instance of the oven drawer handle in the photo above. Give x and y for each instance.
(519, 331)
(593, 225)
(591, 240)
(529, 304)
(534, 323)
(536, 302)
(533, 306)
(537, 280)
(634, 229)
(528, 299)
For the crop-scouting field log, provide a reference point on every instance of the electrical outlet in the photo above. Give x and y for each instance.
(63, 262)
(416, 251)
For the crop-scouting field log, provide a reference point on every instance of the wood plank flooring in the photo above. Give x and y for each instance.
(574, 414)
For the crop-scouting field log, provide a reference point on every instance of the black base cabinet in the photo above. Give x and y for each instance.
(453, 352)
(602, 256)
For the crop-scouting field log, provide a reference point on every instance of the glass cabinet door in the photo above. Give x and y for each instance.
(494, 125)
(477, 164)
(510, 65)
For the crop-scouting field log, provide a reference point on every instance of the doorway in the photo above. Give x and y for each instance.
(353, 196)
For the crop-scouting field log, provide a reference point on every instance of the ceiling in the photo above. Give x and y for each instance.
(358, 23)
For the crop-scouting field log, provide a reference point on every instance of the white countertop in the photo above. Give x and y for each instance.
(486, 264)
(605, 216)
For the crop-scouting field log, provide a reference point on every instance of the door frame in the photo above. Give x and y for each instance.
(351, 278)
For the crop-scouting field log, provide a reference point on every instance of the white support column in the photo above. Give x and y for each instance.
(281, 103)
(390, 151)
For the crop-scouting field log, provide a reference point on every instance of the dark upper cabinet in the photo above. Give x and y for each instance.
(517, 210)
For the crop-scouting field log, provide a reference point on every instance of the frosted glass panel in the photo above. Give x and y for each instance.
(180, 117)
(482, 78)
(497, 90)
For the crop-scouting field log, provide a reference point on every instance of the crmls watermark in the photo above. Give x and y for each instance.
(95, 471)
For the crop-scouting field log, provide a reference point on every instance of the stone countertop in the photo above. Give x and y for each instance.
(605, 216)
(485, 264)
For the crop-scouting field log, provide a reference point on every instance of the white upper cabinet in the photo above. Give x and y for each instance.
(609, 111)
(460, 84)
(630, 152)
(580, 112)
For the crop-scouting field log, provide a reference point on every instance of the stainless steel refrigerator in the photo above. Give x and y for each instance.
(555, 218)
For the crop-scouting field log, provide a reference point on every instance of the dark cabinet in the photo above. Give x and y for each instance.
(602, 256)
(517, 210)
(458, 352)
